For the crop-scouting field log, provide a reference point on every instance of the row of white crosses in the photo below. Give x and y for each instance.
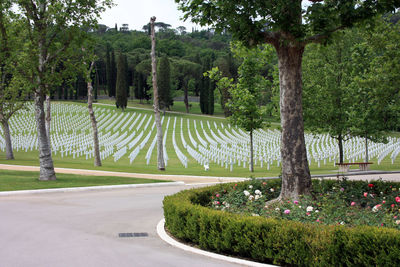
(124, 135)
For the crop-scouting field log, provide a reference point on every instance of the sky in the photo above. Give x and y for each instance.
(137, 13)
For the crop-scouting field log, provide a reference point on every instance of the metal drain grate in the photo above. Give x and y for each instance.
(133, 234)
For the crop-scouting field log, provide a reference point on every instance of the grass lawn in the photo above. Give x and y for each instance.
(139, 165)
(179, 106)
(22, 180)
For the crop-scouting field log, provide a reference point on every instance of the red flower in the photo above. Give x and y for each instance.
(397, 199)
(370, 185)
(392, 205)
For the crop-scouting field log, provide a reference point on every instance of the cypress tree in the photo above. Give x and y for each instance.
(211, 89)
(205, 88)
(163, 82)
(113, 73)
(96, 84)
(127, 76)
(121, 96)
(108, 70)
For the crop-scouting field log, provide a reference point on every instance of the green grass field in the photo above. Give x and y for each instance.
(174, 166)
(23, 180)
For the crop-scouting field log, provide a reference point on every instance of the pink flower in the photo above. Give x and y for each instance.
(365, 194)
(296, 202)
(286, 211)
(308, 214)
(392, 205)
(383, 202)
(381, 224)
(353, 203)
(397, 199)
(217, 195)
(342, 189)
(318, 220)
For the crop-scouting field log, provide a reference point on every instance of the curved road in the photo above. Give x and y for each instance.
(82, 229)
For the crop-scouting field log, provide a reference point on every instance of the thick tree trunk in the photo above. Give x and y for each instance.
(296, 179)
(340, 143)
(186, 99)
(160, 153)
(251, 152)
(46, 162)
(97, 159)
(7, 137)
(48, 119)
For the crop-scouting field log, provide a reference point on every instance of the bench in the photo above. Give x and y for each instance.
(344, 167)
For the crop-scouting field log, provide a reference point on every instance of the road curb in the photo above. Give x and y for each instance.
(88, 188)
(164, 236)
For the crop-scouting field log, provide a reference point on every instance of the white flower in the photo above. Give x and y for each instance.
(257, 192)
(251, 197)
(254, 214)
(272, 190)
(257, 197)
(246, 193)
(316, 211)
(342, 223)
(299, 207)
(309, 209)
(277, 209)
(250, 186)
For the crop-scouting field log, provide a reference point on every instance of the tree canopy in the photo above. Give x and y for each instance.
(289, 27)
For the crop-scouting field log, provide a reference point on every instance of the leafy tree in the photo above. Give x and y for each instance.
(375, 84)
(244, 103)
(12, 93)
(347, 93)
(164, 84)
(289, 27)
(121, 91)
(183, 72)
(327, 96)
(55, 30)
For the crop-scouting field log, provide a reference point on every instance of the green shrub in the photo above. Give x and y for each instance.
(276, 241)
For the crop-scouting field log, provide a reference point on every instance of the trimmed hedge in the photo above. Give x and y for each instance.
(277, 241)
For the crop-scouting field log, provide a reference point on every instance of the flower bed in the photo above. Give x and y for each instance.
(293, 233)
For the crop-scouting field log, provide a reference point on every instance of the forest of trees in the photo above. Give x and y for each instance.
(189, 56)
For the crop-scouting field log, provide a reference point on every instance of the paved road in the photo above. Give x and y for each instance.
(81, 229)
(188, 179)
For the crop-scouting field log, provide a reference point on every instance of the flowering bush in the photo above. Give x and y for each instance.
(333, 202)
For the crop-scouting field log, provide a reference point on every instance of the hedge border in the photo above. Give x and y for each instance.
(276, 241)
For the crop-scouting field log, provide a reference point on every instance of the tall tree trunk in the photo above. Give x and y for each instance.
(46, 162)
(296, 178)
(340, 143)
(185, 99)
(251, 152)
(7, 137)
(160, 153)
(48, 119)
(97, 159)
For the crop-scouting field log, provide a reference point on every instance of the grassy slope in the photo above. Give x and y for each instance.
(174, 165)
(21, 180)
